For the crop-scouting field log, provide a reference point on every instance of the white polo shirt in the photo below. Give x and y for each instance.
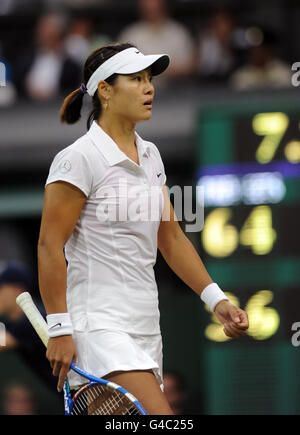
(112, 250)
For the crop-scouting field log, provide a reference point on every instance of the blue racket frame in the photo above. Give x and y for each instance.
(93, 380)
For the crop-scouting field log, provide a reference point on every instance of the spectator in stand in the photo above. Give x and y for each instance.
(215, 53)
(7, 89)
(180, 399)
(156, 32)
(18, 399)
(82, 39)
(19, 334)
(78, 40)
(45, 70)
(264, 69)
(175, 391)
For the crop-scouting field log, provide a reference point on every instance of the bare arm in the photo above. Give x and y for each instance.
(63, 203)
(184, 260)
(179, 252)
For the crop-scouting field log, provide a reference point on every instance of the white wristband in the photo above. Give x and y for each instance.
(59, 324)
(212, 295)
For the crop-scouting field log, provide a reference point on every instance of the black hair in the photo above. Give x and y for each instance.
(70, 111)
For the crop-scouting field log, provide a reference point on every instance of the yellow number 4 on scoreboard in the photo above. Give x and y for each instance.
(220, 238)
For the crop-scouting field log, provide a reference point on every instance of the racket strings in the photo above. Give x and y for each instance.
(99, 399)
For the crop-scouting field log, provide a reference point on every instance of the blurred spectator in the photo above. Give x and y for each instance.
(263, 69)
(78, 40)
(180, 399)
(19, 334)
(156, 32)
(7, 89)
(215, 54)
(18, 399)
(82, 39)
(46, 70)
(6, 6)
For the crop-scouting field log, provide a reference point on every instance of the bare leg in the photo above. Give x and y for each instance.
(144, 386)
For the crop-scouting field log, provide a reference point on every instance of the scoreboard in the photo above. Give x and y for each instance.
(248, 163)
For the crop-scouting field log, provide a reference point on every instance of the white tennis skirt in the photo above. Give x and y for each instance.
(101, 352)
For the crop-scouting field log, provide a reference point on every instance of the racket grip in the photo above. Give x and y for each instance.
(24, 300)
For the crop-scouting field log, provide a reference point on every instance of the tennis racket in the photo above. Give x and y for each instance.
(98, 396)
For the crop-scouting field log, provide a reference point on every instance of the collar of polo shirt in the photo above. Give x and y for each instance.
(110, 149)
(128, 61)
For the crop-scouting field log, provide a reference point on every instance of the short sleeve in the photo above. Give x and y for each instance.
(73, 167)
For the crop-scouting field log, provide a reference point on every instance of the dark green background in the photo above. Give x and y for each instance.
(249, 376)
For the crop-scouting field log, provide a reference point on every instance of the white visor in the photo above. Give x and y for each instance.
(128, 61)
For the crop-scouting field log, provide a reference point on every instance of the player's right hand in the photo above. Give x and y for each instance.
(61, 352)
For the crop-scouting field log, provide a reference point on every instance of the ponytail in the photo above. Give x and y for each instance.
(70, 111)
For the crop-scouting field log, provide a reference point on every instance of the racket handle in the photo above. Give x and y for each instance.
(24, 300)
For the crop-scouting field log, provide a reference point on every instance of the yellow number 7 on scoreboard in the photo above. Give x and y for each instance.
(272, 126)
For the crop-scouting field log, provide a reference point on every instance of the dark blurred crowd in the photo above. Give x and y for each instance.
(222, 51)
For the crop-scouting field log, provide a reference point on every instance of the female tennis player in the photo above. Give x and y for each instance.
(103, 305)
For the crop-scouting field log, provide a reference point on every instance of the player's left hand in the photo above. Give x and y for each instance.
(234, 319)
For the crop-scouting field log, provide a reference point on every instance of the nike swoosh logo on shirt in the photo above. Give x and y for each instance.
(158, 175)
(57, 324)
